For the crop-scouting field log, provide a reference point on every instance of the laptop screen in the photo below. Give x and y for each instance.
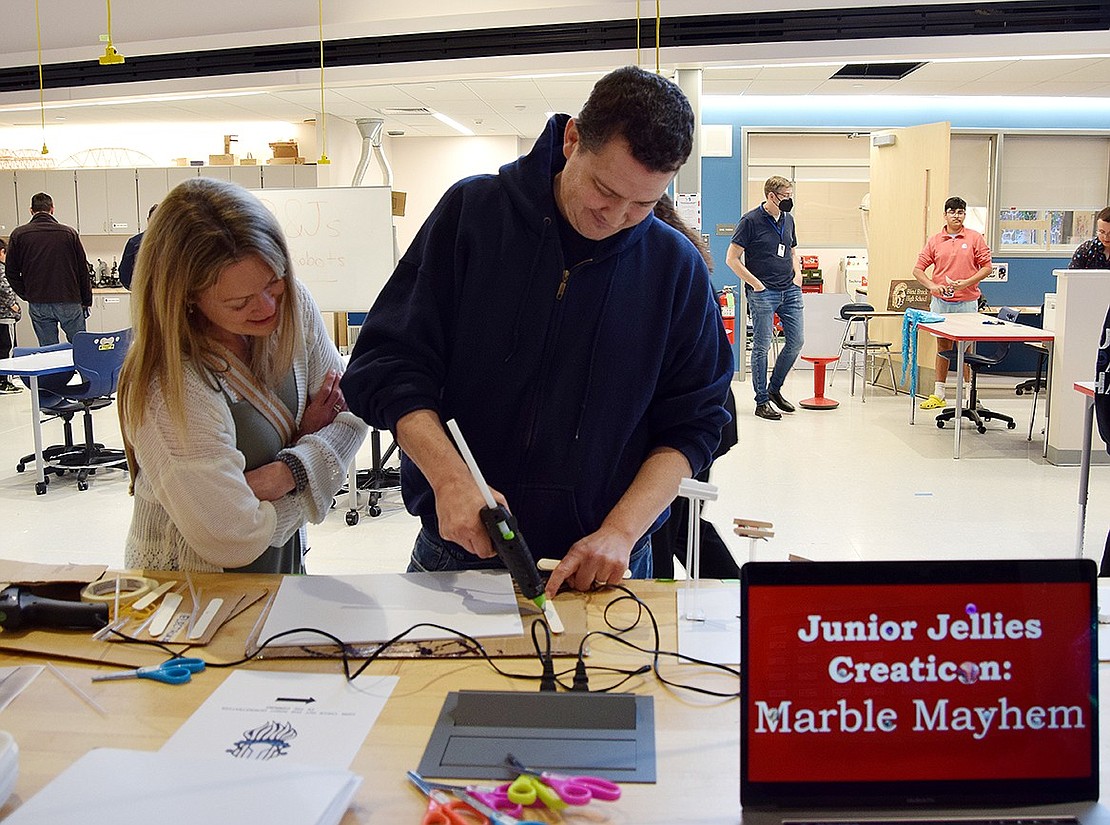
(930, 682)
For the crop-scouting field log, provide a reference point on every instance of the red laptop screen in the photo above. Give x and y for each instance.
(909, 682)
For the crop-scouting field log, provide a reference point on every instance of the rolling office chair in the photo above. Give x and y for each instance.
(871, 350)
(97, 360)
(986, 355)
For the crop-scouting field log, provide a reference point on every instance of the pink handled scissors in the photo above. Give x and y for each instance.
(574, 790)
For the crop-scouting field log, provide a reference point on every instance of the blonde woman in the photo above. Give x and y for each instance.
(235, 427)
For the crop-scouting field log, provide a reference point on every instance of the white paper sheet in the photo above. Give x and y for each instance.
(374, 608)
(304, 718)
(109, 787)
(717, 639)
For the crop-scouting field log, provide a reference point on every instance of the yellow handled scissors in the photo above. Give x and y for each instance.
(525, 790)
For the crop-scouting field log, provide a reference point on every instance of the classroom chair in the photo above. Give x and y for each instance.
(987, 354)
(97, 360)
(870, 351)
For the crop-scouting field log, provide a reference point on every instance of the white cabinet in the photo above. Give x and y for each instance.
(289, 176)
(9, 209)
(107, 202)
(278, 176)
(155, 183)
(59, 184)
(249, 177)
(216, 172)
(111, 311)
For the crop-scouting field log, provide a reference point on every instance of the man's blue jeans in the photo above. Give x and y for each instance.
(787, 303)
(45, 318)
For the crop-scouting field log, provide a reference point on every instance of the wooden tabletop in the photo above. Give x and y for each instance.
(697, 738)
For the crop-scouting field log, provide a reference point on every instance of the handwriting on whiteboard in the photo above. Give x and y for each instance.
(340, 240)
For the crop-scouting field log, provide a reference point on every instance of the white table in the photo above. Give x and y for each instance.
(32, 366)
(964, 329)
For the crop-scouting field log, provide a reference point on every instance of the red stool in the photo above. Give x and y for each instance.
(819, 401)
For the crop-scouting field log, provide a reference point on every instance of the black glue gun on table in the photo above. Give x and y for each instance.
(503, 531)
(20, 608)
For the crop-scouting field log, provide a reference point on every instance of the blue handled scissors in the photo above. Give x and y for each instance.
(176, 671)
(573, 790)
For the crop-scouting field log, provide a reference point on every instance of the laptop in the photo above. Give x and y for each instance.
(919, 691)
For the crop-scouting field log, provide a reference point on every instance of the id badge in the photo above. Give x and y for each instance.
(782, 250)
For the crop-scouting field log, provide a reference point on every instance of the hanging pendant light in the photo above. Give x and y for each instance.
(42, 104)
(110, 57)
(324, 159)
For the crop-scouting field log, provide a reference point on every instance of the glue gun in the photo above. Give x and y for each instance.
(21, 608)
(503, 532)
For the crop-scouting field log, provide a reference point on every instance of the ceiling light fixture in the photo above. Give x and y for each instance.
(129, 101)
(458, 127)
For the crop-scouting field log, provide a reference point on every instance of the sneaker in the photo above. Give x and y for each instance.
(7, 388)
(933, 402)
(765, 410)
(780, 402)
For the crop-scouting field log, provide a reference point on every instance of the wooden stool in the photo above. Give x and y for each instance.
(819, 401)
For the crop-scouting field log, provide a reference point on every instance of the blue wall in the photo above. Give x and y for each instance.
(1029, 277)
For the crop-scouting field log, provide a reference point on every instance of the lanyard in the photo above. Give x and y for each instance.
(777, 228)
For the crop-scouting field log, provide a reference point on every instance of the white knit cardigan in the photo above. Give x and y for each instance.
(193, 507)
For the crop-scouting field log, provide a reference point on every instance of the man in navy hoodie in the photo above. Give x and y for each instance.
(574, 337)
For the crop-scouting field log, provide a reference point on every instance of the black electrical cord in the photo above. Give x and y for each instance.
(655, 652)
(549, 678)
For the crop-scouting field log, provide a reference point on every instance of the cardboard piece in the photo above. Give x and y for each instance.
(284, 148)
(29, 572)
(397, 203)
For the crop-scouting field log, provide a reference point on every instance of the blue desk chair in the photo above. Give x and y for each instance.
(986, 355)
(97, 360)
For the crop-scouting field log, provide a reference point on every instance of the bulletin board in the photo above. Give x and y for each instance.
(340, 240)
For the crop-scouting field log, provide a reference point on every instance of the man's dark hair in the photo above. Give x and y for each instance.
(41, 202)
(955, 203)
(647, 110)
(1103, 215)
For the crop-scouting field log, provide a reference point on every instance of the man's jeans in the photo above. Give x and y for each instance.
(45, 318)
(432, 554)
(763, 307)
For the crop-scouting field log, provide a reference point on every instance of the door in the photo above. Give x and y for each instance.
(909, 184)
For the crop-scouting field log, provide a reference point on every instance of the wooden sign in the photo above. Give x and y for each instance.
(906, 294)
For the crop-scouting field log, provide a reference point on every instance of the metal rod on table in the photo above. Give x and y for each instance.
(1084, 472)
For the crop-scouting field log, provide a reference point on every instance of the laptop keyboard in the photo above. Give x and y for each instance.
(956, 820)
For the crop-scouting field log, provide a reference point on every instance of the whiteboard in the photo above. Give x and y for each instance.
(340, 240)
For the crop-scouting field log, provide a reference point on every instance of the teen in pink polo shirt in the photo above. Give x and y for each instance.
(960, 259)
